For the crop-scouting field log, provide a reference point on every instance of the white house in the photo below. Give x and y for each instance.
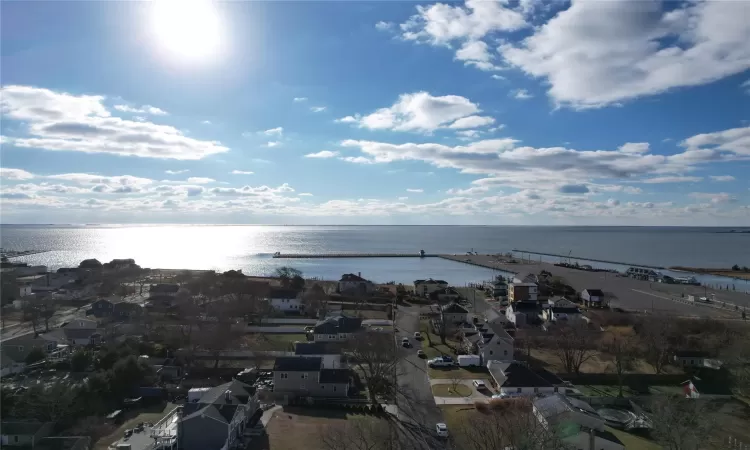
(285, 300)
(426, 287)
(514, 378)
(491, 342)
(355, 284)
(559, 313)
(586, 425)
(592, 296)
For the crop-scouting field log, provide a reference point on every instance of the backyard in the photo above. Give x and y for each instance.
(151, 414)
(447, 390)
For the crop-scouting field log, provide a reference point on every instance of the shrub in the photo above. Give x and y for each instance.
(481, 406)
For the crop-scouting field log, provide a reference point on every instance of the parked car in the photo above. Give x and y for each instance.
(417, 335)
(421, 353)
(128, 433)
(439, 362)
(405, 342)
(479, 385)
(442, 430)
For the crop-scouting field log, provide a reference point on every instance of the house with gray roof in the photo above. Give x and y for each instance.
(331, 356)
(305, 376)
(337, 328)
(575, 421)
(218, 418)
(425, 287)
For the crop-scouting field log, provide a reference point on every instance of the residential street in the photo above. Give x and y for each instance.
(418, 412)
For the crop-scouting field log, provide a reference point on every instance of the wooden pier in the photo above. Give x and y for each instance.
(352, 255)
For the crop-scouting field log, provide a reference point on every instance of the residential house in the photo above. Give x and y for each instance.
(81, 324)
(285, 300)
(101, 308)
(18, 348)
(123, 310)
(562, 313)
(522, 291)
(23, 433)
(592, 297)
(331, 356)
(561, 302)
(75, 336)
(515, 378)
(585, 428)
(425, 287)
(336, 328)
(453, 316)
(305, 376)
(218, 418)
(491, 342)
(9, 365)
(523, 313)
(694, 358)
(163, 290)
(445, 295)
(64, 443)
(351, 284)
(642, 274)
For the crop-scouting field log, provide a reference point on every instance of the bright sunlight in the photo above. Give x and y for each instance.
(187, 29)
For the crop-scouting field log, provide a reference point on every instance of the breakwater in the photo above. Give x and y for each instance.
(352, 255)
(589, 259)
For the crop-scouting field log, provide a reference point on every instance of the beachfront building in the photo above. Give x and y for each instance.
(640, 273)
(285, 300)
(592, 297)
(425, 287)
(453, 316)
(351, 284)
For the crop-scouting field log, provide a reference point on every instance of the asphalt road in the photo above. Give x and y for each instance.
(418, 412)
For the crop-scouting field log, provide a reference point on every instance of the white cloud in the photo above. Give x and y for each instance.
(273, 143)
(305, 194)
(416, 191)
(176, 172)
(598, 53)
(722, 178)
(746, 86)
(317, 109)
(403, 198)
(357, 160)
(241, 172)
(474, 190)
(65, 122)
(200, 180)
(15, 174)
(522, 94)
(472, 122)
(91, 179)
(709, 145)
(476, 53)
(498, 77)
(278, 131)
(322, 154)
(714, 197)
(384, 26)
(634, 148)
(672, 179)
(250, 190)
(206, 122)
(145, 109)
(349, 119)
(423, 112)
(300, 99)
(467, 134)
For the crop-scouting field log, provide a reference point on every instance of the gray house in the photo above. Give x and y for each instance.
(23, 434)
(218, 418)
(337, 328)
(306, 376)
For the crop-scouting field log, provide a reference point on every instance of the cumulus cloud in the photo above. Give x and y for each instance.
(416, 191)
(176, 172)
(278, 131)
(15, 174)
(250, 190)
(200, 180)
(714, 197)
(722, 178)
(357, 160)
(64, 122)
(423, 112)
(672, 179)
(241, 172)
(145, 109)
(710, 145)
(521, 94)
(272, 144)
(384, 26)
(322, 154)
(317, 109)
(595, 53)
(300, 99)
(305, 194)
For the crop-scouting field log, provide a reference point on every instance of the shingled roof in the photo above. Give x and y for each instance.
(298, 363)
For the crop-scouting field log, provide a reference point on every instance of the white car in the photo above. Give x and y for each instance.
(439, 362)
(479, 385)
(442, 430)
(417, 335)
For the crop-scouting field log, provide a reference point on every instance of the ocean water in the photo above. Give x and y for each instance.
(250, 247)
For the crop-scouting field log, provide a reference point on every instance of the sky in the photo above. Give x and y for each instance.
(515, 112)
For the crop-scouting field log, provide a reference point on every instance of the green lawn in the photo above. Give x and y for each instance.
(470, 373)
(446, 390)
(279, 341)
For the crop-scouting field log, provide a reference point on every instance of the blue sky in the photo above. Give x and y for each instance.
(619, 112)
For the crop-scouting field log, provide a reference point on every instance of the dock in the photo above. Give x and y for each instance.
(351, 255)
(590, 259)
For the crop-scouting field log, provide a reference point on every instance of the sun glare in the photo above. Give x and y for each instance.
(187, 29)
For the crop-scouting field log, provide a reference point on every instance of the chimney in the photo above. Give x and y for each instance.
(592, 439)
(228, 396)
(359, 274)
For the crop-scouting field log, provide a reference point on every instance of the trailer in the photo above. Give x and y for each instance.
(469, 360)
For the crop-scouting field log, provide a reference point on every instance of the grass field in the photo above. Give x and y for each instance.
(446, 390)
(476, 373)
(295, 428)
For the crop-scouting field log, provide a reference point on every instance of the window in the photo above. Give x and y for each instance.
(505, 352)
(331, 336)
(20, 348)
(305, 375)
(490, 352)
(536, 390)
(334, 389)
(15, 438)
(518, 390)
(284, 376)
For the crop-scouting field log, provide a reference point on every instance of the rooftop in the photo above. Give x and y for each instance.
(280, 292)
(338, 324)
(164, 288)
(596, 292)
(430, 281)
(298, 363)
(516, 374)
(454, 308)
(351, 277)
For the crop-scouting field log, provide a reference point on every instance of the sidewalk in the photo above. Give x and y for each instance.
(459, 400)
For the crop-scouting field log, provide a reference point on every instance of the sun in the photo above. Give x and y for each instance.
(187, 29)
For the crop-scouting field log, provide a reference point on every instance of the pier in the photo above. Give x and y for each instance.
(590, 259)
(352, 255)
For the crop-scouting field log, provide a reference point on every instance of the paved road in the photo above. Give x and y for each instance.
(418, 412)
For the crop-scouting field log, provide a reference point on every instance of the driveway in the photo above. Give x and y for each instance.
(417, 409)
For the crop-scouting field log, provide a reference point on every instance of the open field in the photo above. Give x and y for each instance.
(446, 390)
(151, 414)
(295, 428)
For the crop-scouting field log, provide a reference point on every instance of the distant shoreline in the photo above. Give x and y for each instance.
(729, 273)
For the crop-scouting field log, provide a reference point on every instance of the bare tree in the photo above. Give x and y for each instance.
(455, 383)
(624, 350)
(46, 308)
(736, 359)
(31, 313)
(315, 299)
(509, 423)
(682, 424)
(374, 355)
(358, 435)
(573, 345)
(655, 335)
